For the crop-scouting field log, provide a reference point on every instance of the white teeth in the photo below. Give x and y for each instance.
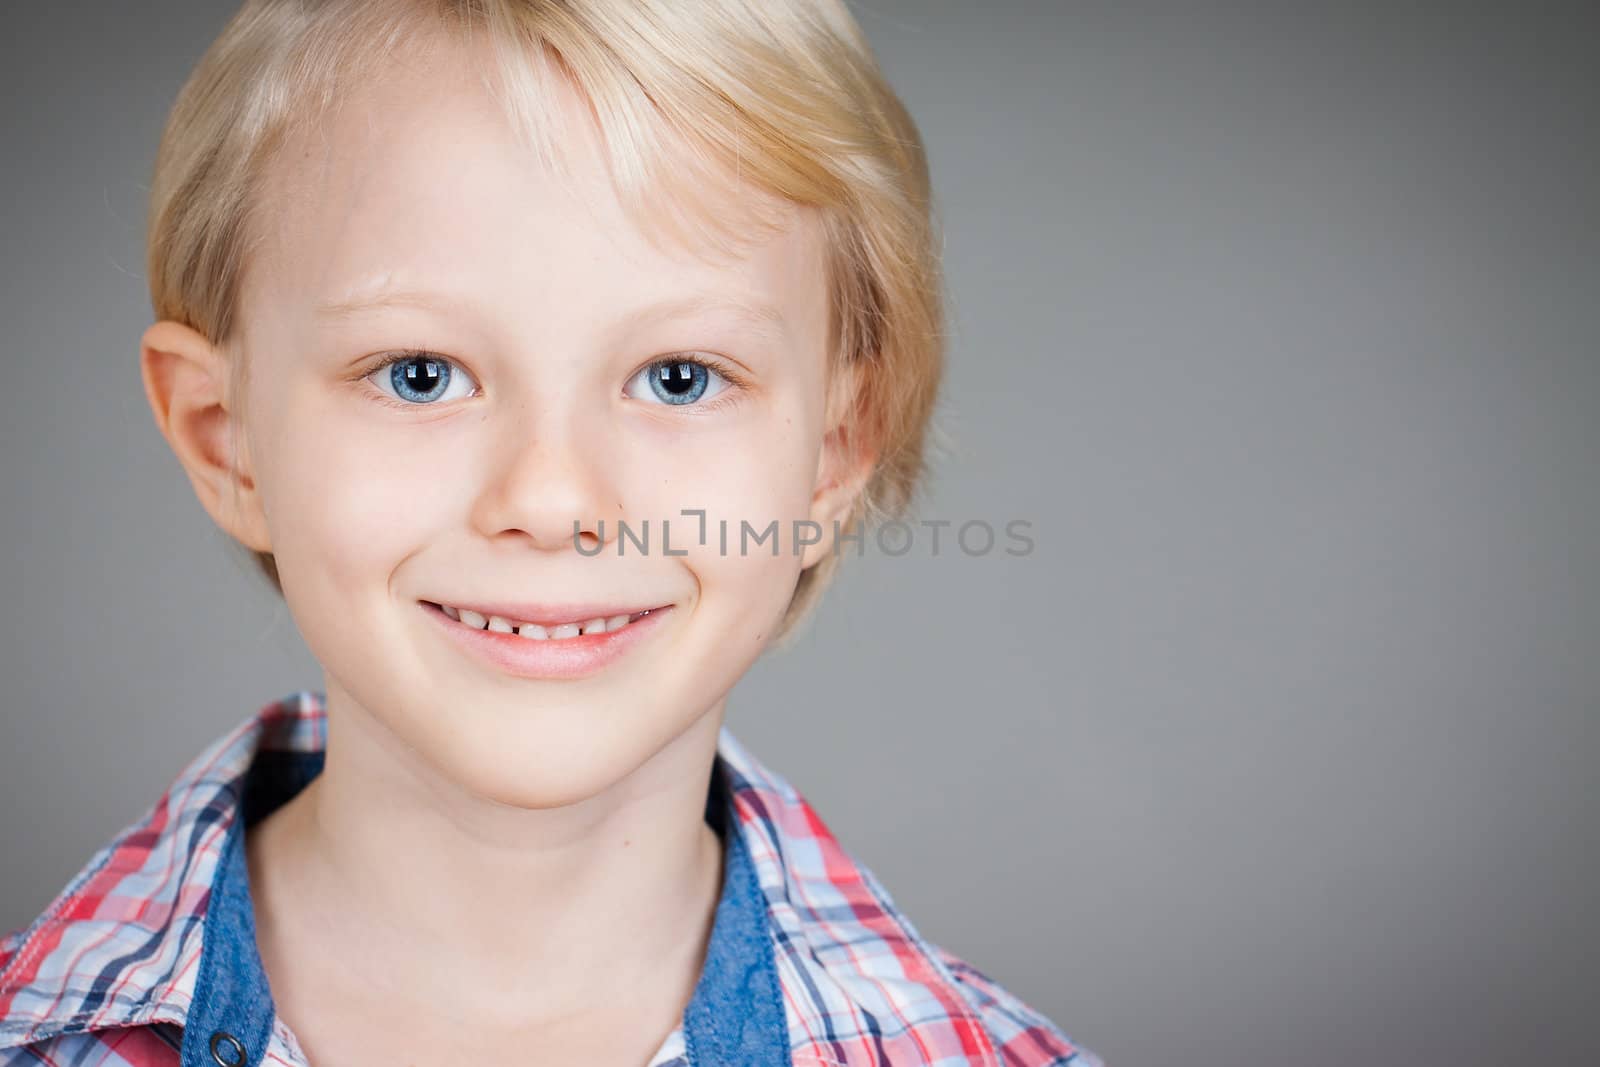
(532, 630)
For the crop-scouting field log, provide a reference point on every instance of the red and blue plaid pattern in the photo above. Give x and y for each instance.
(106, 975)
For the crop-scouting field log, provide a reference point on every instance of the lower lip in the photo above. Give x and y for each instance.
(556, 657)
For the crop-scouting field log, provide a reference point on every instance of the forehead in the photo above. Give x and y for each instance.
(416, 180)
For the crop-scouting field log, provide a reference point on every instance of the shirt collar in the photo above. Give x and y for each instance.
(157, 927)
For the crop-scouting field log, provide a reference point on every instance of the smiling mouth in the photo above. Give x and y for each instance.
(564, 631)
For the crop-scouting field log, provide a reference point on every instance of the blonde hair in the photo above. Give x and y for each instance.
(786, 97)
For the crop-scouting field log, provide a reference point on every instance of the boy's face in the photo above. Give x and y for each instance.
(381, 497)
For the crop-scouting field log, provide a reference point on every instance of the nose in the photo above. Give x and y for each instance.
(552, 486)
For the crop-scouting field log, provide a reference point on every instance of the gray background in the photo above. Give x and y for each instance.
(1280, 326)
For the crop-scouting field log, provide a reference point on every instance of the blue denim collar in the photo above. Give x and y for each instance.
(735, 1016)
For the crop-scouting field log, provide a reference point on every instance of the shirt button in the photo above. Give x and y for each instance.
(226, 1049)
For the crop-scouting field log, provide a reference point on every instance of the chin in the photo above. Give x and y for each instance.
(549, 771)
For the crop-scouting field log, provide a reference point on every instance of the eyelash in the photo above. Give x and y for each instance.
(737, 384)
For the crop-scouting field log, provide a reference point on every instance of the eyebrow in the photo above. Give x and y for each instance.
(387, 298)
(764, 317)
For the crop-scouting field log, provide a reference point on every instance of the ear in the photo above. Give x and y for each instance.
(185, 380)
(847, 461)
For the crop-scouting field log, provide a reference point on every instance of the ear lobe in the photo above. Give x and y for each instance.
(185, 381)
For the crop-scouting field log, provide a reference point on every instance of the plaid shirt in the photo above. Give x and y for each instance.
(147, 956)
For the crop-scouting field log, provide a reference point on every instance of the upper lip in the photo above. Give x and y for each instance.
(551, 614)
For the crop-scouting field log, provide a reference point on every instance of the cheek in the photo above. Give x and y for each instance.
(756, 469)
(344, 496)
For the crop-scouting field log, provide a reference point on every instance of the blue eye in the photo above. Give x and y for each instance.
(419, 378)
(676, 381)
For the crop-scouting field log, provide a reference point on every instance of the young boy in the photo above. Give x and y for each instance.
(454, 300)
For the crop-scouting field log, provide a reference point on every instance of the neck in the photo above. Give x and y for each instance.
(459, 903)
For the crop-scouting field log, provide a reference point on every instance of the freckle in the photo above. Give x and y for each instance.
(626, 842)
